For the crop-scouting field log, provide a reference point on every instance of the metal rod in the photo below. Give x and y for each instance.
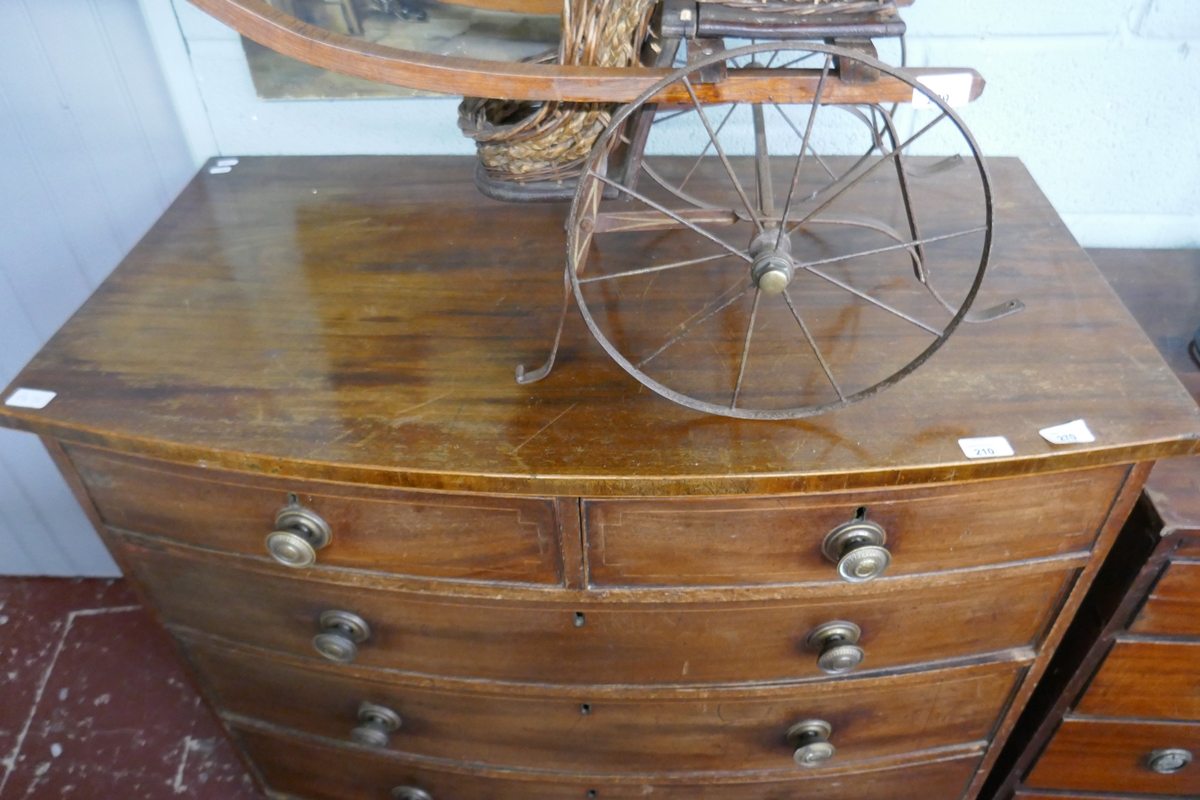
(704, 152)
(884, 159)
(737, 185)
(813, 344)
(660, 268)
(689, 328)
(641, 197)
(812, 118)
(531, 376)
(737, 389)
(762, 164)
(901, 246)
(873, 301)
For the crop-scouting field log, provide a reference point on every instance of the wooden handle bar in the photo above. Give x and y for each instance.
(268, 26)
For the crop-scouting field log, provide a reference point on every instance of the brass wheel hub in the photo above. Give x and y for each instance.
(773, 267)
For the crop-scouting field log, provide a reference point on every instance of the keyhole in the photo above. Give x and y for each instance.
(860, 513)
(580, 619)
(586, 708)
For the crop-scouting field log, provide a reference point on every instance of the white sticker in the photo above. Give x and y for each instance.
(220, 170)
(227, 162)
(30, 398)
(1073, 432)
(986, 447)
(954, 88)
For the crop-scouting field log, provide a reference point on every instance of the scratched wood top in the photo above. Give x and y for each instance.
(359, 319)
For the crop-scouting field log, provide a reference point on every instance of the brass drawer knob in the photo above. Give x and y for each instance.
(299, 534)
(1168, 760)
(341, 633)
(811, 740)
(375, 724)
(836, 643)
(857, 548)
(410, 793)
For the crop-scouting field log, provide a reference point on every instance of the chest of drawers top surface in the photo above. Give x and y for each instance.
(359, 319)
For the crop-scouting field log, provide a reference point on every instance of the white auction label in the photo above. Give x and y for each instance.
(219, 170)
(30, 398)
(986, 447)
(227, 162)
(1073, 432)
(954, 88)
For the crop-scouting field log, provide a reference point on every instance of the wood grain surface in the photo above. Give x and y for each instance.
(1173, 608)
(1153, 680)
(359, 319)
(619, 731)
(310, 766)
(632, 639)
(436, 535)
(778, 540)
(1110, 756)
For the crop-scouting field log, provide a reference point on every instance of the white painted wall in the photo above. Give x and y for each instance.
(91, 153)
(1100, 98)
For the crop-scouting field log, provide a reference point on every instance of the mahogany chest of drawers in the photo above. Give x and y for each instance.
(396, 573)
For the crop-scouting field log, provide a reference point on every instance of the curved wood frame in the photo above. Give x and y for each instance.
(268, 26)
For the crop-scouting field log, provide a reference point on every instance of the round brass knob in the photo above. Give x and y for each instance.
(835, 642)
(375, 724)
(298, 535)
(858, 549)
(1168, 760)
(410, 793)
(811, 740)
(341, 633)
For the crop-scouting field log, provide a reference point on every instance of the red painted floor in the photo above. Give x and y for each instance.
(95, 704)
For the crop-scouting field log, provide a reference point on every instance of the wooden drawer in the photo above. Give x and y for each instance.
(1155, 680)
(416, 533)
(486, 636)
(1110, 756)
(618, 731)
(311, 767)
(1174, 606)
(717, 542)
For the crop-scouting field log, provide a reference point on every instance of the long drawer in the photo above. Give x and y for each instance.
(581, 638)
(313, 768)
(1114, 755)
(615, 730)
(1155, 680)
(462, 537)
(755, 541)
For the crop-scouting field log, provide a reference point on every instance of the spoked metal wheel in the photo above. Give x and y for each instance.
(774, 262)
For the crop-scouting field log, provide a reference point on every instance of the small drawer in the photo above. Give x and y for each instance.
(1173, 608)
(617, 731)
(572, 639)
(1154, 680)
(782, 540)
(314, 768)
(414, 533)
(1116, 755)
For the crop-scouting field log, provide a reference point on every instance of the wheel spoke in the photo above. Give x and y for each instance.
(737, 185)
(865, 173)
(659, 268)
(704, 152)
(762, 165)
(811, 149)
(799, 60)
(672, 116)
(737, 389)
(642, 198)
(873, 301)
(813, 344)
(688, 328)
(812, 118)
(901, 246)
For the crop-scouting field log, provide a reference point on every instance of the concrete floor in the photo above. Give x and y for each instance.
(94, 702)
